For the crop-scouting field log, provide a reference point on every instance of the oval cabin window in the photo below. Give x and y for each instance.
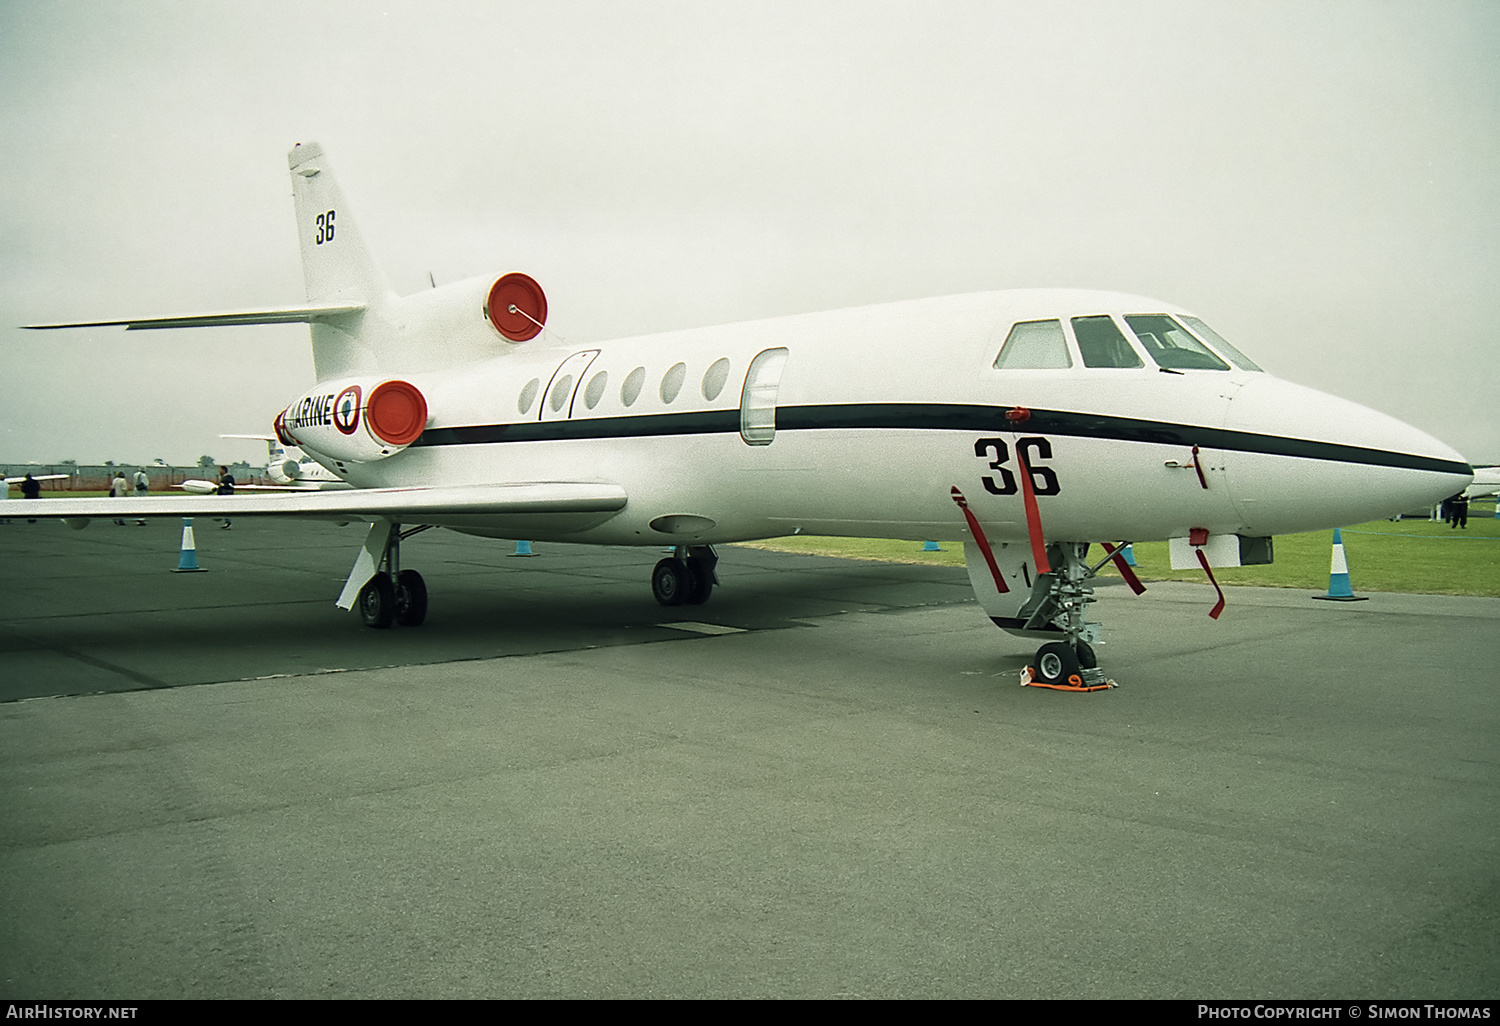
(671, 382)
(595, 390)
(630, 391)
(714, 379)
(528, 395)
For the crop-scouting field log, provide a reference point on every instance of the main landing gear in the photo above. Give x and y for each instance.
(1058, 600)
(392, 595)
(686, 577)
(383, 602)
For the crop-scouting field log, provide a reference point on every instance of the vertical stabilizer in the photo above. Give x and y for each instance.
(337, 266)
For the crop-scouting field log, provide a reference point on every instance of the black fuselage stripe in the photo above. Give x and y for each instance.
(936, 417)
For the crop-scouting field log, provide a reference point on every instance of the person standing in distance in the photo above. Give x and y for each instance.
(31, 488)
(142, 488)
(225, 487)
(119, 489)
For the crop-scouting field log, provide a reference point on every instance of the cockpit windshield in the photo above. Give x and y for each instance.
(1101, 344)
(1216, 340)
(1171, 345)
(1034, 345)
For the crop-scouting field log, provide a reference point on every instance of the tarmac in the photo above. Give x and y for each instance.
(825, 782)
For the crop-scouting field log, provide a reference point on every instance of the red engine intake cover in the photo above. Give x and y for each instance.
(279, 425)
(396, 412)
(522, 292)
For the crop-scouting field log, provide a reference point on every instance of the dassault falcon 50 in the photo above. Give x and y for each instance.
(1027, 424)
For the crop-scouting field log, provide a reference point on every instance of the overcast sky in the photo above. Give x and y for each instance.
(1320, 181)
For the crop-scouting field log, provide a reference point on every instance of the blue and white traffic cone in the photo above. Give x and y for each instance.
(187, 560)
(523, 548)
(1129, 555)
(1339, 589)
(930, 546)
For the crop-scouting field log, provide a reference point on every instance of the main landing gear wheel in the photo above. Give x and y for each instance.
(377, 602)
(701, 573)
(410, 599)
(671, 582)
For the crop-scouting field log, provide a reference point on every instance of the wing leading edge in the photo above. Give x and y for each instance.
(305, 314)
(408, 505)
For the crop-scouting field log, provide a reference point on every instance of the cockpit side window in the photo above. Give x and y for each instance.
(1034, 345)
(1216, 340)
(1102, 344)
(1170, 344)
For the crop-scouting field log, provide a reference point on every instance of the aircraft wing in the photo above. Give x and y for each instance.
(465, 505)
(304, 314)
(312, 487)
(36, 477)
(198, 486)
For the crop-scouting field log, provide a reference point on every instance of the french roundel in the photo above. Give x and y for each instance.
(396, 412)
(346, 410)
(517, 307)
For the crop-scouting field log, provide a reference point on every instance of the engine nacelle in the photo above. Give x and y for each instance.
(516, 306)
(355, 422)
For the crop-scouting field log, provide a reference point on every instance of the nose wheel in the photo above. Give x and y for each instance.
(1063, 665)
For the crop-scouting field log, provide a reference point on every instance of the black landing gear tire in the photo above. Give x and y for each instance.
(377, 602)
(1086, 658)
(411, 599)
(701, 574)
(1056, 662)
(671, 582)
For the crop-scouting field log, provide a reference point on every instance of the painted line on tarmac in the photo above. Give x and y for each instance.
(702, 628)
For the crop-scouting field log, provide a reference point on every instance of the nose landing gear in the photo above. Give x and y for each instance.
(1058, 600)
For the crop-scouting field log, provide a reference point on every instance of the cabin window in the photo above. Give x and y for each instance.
(1216, 340)
(758, 401)
(560, 392)
(1170, 345)
(595, 390)
(1102, 344)
(714, 379)
(528, 395)
(1034, 345)
(630, 391)
(671, 381)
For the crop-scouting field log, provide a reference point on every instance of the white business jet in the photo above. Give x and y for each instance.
(1027, 424)
(1486, 482)
(288, 467)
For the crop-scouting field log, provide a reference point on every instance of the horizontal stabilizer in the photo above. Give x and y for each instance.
(407, 505)
(305, 314)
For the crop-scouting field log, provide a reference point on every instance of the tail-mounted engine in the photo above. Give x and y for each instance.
(354, 422)
(516, 306)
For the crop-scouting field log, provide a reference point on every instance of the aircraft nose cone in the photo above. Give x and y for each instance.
(1318, 461)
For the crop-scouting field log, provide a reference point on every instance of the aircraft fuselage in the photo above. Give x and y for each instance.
(879, 411)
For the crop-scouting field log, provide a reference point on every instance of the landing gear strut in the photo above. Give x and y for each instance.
(390, 595)
(686, 577)
(1058, 600)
